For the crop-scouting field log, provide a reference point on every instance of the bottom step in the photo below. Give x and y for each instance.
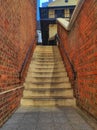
(48, 102)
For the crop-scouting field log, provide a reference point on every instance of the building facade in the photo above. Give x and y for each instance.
(48, 15)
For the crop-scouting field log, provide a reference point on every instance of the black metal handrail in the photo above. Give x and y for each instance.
(72, 67)
(26, 58)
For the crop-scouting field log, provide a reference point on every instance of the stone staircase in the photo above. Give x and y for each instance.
(47, 83)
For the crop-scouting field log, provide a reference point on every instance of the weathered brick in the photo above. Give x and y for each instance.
(17, 32)
(80, 44)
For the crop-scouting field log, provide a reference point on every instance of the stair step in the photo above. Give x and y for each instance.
(46, 56)
(47, 80)
(46, 47)
(47, 52)
(48, 102)
(47, 97)
(46, 74)
(48, 61)
(46, 65)
(46, 93)
(30, 85)
(43, 50)
(37, 75)
(47, 69)
(52, 89)
(47, 83)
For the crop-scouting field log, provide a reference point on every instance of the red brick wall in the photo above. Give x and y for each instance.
(80, 44)
(17, 32)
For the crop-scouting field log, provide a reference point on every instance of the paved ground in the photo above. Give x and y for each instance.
(46, 119)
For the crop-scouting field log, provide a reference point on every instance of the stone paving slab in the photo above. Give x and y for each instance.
(27, 118)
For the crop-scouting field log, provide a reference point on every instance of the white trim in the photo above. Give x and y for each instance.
(63, 22)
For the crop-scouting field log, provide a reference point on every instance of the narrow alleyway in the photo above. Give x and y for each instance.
(47, 104)
(28, 118)
(56, 89)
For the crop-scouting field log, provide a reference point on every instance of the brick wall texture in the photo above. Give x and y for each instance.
(80, 44)
(17, 33)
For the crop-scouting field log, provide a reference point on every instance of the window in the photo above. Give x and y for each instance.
(51, 13)
(59, 13)
(43, 13)
(66, 0)
(67, 13)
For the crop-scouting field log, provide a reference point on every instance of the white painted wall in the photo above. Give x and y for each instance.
(39, 36)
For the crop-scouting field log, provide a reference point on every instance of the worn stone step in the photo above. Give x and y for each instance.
(54, 52)
(48, 102)
(45, 49)
(47, 80)
(47, 83)
(29, 85)
(49, 89)
(46, 74)
(47, 69)
(46, 63)
(46, 60)
(33, 66)
(55, 75)
(39, 55)
(49, 66)
(48, 92)
(46, 54)
(47, 97)
(46, 57)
